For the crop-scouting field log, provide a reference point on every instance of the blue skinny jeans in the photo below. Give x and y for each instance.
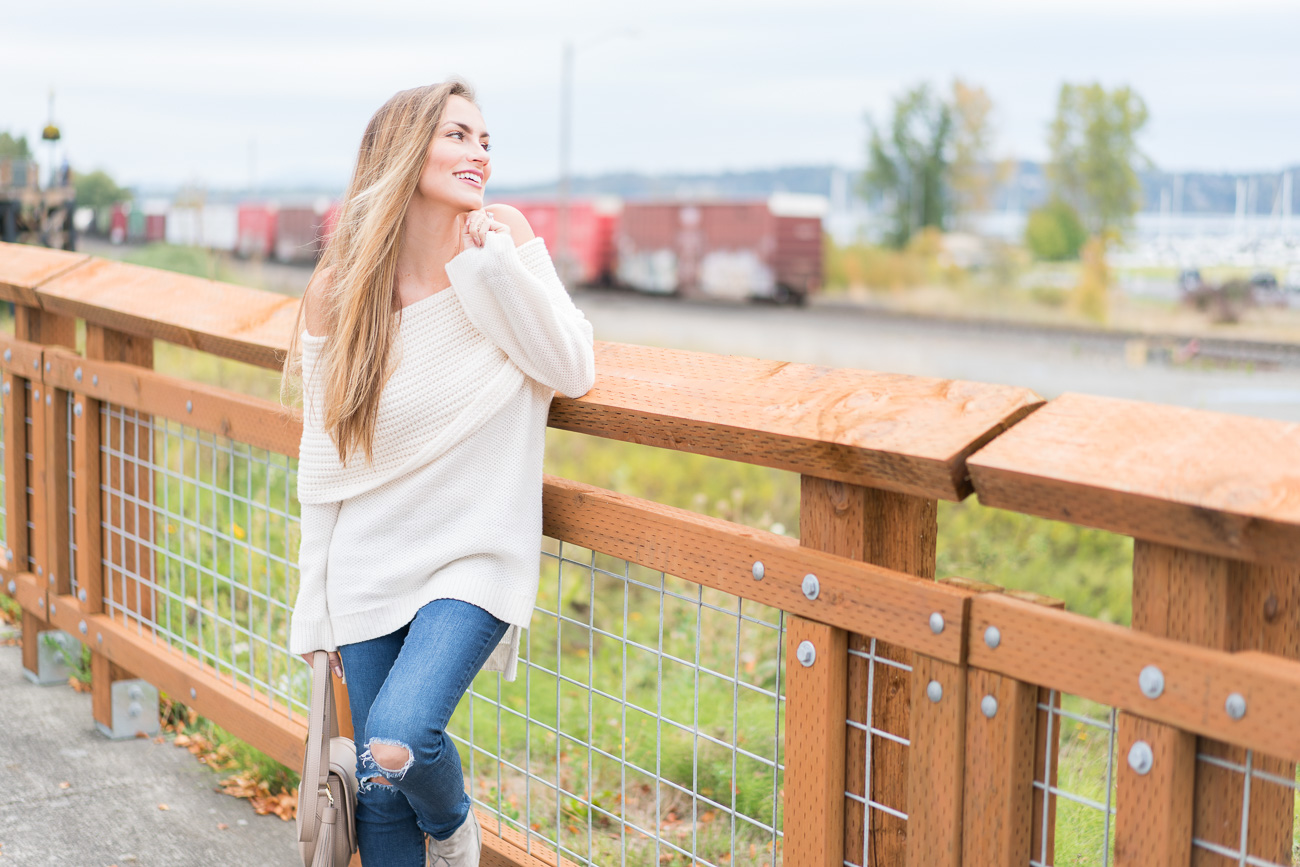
(402, 690)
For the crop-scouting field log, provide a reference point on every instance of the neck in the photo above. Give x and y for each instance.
(430, 239)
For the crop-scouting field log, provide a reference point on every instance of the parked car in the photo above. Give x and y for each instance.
(1266, 290)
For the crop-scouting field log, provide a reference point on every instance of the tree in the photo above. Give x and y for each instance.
(1054, 231)
(1094, 154)
(973, 174)
(908, 167)
(98, 190)
(14, 147)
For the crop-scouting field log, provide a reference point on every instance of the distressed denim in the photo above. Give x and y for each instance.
(402, 689)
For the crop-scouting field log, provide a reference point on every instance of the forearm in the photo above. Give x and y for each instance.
(309, 628)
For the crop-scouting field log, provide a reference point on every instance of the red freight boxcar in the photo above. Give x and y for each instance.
(591, 236)
(739, 250)
(255, 232)
(297, 234)
(155, 227)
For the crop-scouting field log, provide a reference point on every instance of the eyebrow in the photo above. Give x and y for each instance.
(466, 128)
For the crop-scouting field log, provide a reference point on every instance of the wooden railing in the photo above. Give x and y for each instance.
(917, 721)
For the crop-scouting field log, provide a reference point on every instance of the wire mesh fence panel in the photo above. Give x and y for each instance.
(1245, 810)
(1074, 782)
(645, 725)
(200, 549)
(869, 743)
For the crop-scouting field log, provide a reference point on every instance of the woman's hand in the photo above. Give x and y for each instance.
(336, 663)
(476, 227)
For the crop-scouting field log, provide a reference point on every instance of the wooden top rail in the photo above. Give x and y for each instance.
(901, 433)
(1221, 484)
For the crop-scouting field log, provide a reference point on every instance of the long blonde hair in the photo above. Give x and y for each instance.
(359, 267)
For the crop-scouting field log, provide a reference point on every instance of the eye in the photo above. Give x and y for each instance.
(457, 133)
(486, 146)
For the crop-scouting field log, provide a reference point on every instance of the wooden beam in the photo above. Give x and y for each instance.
(719, 554)
(998, 795)
(23, 267)
(814, 745)
(260, 423)
(1153, 817)
(936, 772)
(1102, 661)
(1202, 481)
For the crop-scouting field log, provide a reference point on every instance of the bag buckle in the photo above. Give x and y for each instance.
(328, 794)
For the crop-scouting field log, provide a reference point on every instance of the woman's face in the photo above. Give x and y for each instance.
(458, 165)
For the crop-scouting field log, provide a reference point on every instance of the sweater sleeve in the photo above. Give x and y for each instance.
(310, 627)
(515, 298)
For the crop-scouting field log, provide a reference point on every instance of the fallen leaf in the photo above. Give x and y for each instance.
(65, 785)
(163, 807)
(221, 826)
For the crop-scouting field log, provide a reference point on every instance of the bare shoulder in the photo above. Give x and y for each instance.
(518, 223)
(315, 317)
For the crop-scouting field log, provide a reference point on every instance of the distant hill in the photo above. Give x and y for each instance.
(1190, 192)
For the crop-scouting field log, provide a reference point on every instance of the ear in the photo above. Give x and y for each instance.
(517, 222)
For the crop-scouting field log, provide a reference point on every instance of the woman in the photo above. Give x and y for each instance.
(430, 342)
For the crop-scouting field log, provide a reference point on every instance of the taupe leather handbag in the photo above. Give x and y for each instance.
(327, 795)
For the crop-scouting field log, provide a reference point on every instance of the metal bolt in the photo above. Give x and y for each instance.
(1140, 757)
(6, 388)
(81, 594)
(76, 410)
(1235, 705)
(13, 587)
(40, 570)
(811, 586)
(99, 637)
(189, 406)
(934, 691)
(52, 609)
(193, 692)
(94, 379)
(989, 705)
(40, 603)
(9, 554)
(36, 393)
(76, 374)
(36, 364)
(757, 570)
(49, 399)
(51, 578)
(134, 692)
(806, 653)
(82, 627)
(992, 636)
(9, 355)
(936, 623)
(47, 367)
(1151, 681)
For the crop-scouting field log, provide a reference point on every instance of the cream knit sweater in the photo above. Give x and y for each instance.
(451, 506)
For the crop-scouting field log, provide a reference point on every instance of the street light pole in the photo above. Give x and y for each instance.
(562, 254)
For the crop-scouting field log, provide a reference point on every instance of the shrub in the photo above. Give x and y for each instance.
(1054, 232)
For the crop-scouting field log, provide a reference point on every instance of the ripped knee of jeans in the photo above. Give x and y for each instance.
(396, 758)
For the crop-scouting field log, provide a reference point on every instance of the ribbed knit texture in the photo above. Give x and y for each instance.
(451, 505)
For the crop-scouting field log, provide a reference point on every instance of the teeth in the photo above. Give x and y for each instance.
(468, 176)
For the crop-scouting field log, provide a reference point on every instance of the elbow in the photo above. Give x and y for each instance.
(582, 377)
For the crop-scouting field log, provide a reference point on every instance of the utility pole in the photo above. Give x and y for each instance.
(562, 255)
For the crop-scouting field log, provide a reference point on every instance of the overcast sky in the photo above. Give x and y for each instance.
(165, 92)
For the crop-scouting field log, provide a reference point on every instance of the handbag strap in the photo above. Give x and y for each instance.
(317, 764)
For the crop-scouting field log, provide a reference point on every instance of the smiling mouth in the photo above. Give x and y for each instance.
(470, 178)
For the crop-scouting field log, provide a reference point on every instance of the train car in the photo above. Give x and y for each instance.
(770, 250)
(255, 236)
(155, 228)
(591, 235)
(296, 234)
(212, 226)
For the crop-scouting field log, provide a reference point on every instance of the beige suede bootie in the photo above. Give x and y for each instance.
(461, 849)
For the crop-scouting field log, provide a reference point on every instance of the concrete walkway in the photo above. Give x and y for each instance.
(109, 813)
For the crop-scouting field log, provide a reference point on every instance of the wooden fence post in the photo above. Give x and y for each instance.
(130, 438)
(49, 491)
(898, 531)
(936, 773)
(1228, 605)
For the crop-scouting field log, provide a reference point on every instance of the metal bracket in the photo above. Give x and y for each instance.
(135, 710)
(51, 646)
